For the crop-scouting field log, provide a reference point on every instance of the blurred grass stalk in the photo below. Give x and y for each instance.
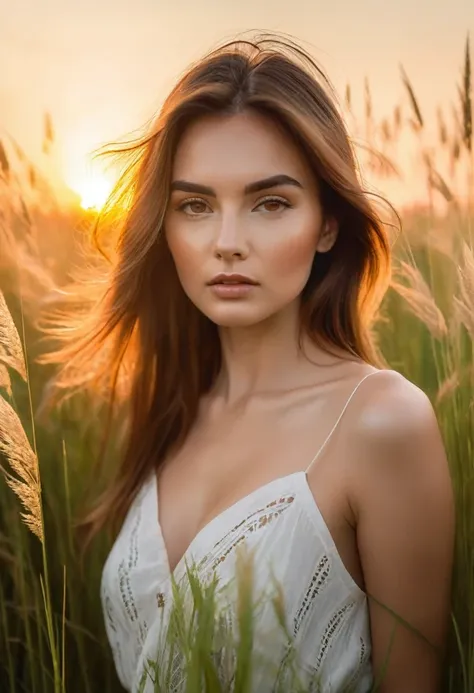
(425, 330)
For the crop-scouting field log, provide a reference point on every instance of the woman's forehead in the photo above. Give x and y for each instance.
(246, 147)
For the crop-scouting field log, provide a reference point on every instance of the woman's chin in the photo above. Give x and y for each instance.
(230, 317)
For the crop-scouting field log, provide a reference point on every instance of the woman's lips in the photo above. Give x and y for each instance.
(233, 290)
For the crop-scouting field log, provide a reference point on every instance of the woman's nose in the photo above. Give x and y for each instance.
(230, 240)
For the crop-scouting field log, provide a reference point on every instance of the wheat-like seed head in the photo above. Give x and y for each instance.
(368, 101)
(420, 299)
(386, 131)
(437, 181)
(442, 129)
(11, 352)
(447, 387)
(14, 445)
(397, 119)
(348, 97)
(31, 502)
(417, 122)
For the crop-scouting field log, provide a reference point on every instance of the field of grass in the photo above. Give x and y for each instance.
(51, 630)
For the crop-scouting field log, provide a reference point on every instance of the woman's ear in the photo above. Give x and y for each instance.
(328, 235)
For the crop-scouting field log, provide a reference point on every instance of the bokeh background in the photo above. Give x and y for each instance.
(102, 69)
(75, 76)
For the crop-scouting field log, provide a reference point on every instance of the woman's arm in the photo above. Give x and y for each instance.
(404, 509)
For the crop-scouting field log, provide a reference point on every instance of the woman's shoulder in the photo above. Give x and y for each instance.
(390, 405)
(394, 436)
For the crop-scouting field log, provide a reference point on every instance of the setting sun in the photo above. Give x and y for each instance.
(93, 191)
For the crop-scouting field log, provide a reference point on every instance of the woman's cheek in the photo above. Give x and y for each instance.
(294, 256)
(186, 255)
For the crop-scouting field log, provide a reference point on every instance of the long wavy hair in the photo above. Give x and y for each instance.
(133, 339)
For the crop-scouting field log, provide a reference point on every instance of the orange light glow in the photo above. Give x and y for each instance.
(93, 190)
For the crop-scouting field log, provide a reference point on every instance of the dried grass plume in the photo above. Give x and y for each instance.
(420, 299)
(11, 352)
(464, 303)
(14, 445)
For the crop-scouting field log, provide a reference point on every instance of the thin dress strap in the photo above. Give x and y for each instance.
(339, 418)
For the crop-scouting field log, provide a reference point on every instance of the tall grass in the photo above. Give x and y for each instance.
(52, 635)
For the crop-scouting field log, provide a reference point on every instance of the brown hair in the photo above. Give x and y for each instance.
(138, 333)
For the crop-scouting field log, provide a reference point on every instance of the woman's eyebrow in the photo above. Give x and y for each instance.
(256, 186)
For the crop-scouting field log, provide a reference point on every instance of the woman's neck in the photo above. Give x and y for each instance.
(262, 365)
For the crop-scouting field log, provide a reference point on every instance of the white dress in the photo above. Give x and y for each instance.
(325, 610)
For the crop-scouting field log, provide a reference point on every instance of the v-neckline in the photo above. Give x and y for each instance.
(213, 521)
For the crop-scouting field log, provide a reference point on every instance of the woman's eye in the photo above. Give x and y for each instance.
(197, 207)
(272, 201)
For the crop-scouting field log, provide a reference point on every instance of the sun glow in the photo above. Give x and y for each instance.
(94, 191)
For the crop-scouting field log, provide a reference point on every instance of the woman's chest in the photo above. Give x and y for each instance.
(279, 540)
(227, 471)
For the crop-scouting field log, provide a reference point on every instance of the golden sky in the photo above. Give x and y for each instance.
(102, 67)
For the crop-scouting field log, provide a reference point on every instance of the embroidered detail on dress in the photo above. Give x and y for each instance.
(282, 501)
(331, 630)
(363, 651)
(143, 631)
(133, 547)
(109, 611)
(252, 523)
(363, 658)
(160, 600)
(126, 592)
(318, 582)
(126, 565)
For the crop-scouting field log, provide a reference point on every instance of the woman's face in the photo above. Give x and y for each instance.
(216, 222)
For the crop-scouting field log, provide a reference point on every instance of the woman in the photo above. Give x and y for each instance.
(249, 265)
